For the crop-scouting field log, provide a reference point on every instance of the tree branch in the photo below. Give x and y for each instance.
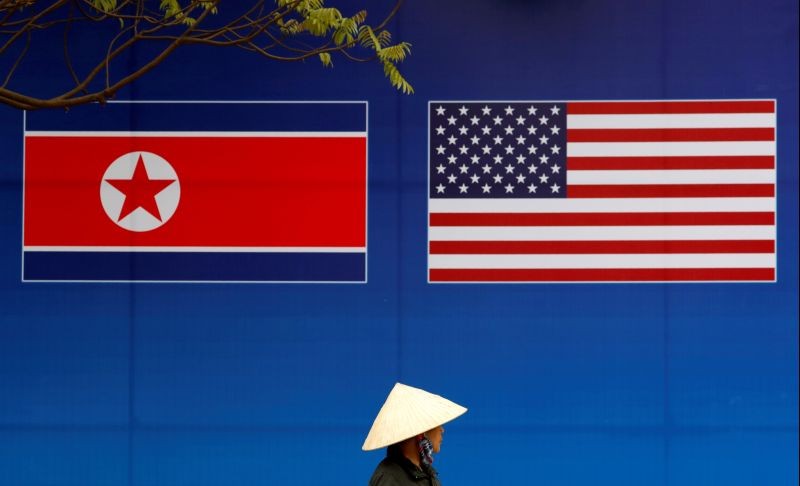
(289, 32)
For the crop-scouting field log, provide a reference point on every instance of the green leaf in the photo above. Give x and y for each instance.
(396, 79)
(171, 8)
(209, 6)
(306, 6)
(347, 31)
(396, 53)
(318, 22)
(384, 37)
(325, 57)
(291, 27)
(367, 38)
(104, 5)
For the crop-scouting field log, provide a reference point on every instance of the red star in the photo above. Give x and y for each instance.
(140, 191)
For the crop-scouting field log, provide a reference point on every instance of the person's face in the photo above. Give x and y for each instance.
(435, 436)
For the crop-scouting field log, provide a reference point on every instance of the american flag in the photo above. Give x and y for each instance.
(594, 191)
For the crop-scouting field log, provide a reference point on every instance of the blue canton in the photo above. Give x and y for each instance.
(498, 150)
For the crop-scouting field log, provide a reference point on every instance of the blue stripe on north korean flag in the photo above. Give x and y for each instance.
(194, 267)
(204, 117)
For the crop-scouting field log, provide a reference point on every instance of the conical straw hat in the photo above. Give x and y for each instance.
(409, 411)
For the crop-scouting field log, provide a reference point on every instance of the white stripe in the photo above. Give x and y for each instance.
(198, 249)
(600, 233)
(667, 149)
(603, 205)
(715, 120)
(739, 176)
(754, 260)
(197, 134)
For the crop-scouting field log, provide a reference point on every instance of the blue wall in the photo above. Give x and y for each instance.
(143, 384)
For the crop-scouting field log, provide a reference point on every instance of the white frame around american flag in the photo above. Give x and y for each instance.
(663, 191)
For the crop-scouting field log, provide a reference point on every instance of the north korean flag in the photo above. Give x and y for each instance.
(196, 191)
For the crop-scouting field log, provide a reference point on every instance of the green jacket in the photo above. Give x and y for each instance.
(397, 470)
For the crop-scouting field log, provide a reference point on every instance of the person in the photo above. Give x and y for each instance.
(410, 425)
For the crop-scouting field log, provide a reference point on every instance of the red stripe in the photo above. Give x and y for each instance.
(603, 275)
(671, 135)
(671, 163)
(598, 247)
(668, 107)
(236, 191)
(601, 219)
(671, 190)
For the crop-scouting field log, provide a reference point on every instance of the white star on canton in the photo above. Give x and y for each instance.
(475, 178)
(486, 130)
(532, 188)
(462, 130)
(440, 130)
(509, 169)
(544, 158)
(463, 149)
(451, 179)
(531, 130)
(486, 149)
(532, 168)
(555, 110)
(463, 110)
(474, 120)
(509, 149)
(497, 178)
(520, 159)
(498, 159)
(520, 120)
(520, 178)
(440, 150)
(509, 110)
(462, 188)
(543, 120)
(440, 169)
(556, 169)
(532, 149)
(554, 130)
(520, 140)
(532, 110)
(487, 169)
(451, 120)
(440, 110)
(554, 188)
(555, 149)
(509, 130)
(498, 140)
(486, 110)
(543, 178)
(543, 140)
(475, 159)
(440, 188)
(451, 140)
(497, 120)
(509, 188)
(452, 159)
(463, 169)
(486, 188)
(474, 140)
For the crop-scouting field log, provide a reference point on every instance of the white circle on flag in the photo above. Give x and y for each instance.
(149, 205)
